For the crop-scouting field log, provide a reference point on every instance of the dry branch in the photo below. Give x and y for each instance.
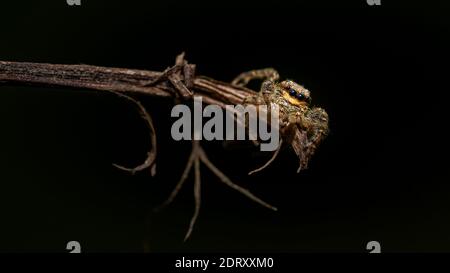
(178, 82)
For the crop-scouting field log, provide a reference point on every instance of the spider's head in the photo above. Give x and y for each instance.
(295, 94)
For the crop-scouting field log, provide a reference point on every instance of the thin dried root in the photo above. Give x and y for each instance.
(228, 182)
(198, 155)
(180, 183)
(275, 154)
(151, 155)
(197, 197)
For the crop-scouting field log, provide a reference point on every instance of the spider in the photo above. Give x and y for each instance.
(302, 126)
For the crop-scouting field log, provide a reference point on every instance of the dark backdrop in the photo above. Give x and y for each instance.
(380, 72)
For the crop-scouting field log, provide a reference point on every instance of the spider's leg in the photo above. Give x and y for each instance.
(275, 154)
(261, 74)
(315, 123)
(318, 126)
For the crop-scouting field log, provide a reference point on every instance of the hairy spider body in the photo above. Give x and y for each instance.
(295, 111)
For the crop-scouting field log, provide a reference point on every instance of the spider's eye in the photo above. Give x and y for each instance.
(292, 92)
(300, 96)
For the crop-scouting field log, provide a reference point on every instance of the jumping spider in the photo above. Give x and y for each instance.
(301, 125)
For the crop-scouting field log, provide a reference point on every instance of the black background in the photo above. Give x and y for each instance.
(379, 71)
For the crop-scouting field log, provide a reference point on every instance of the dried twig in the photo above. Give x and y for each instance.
(151, 155)
(178, 81)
